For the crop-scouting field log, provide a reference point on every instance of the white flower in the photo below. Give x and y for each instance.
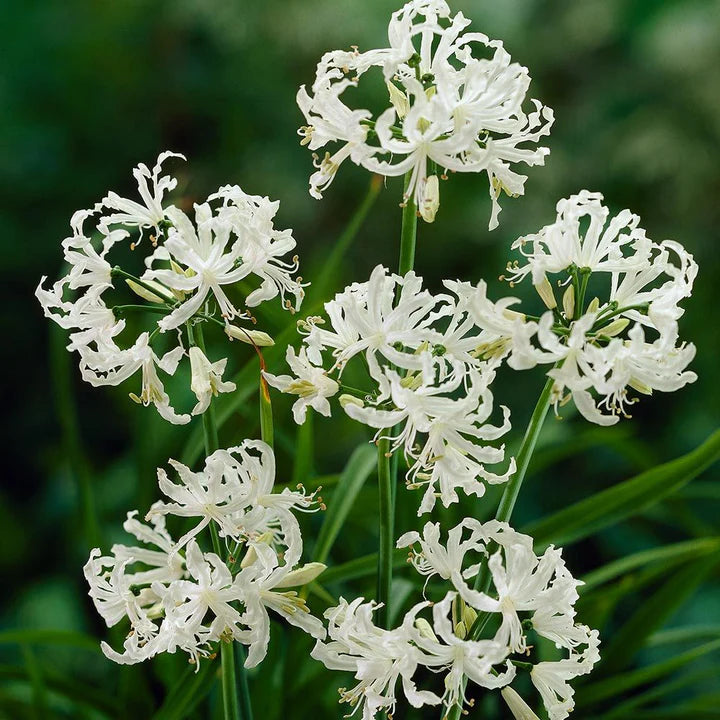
(445, 109)
(474, 659)
(206, 380)
(209, 258)
(235, 491)
(455, 451)
(378, 658)
(187, 267)
(602, 349)
(151, 212)
(311, 384)
(551, 678)
(261, 586)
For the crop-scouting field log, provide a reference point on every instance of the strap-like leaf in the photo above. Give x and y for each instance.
(67, 638)
(677, 552)
(189, 690)
(358, 469)
(624, 500)
(605, 689)
(358, 568)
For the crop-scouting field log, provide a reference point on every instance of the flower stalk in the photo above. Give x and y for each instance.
(387, 470)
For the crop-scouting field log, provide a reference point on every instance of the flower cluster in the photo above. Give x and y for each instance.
(528, 595)
(183, 279)
(448, 110)
(177, 597)
(625, 337)
(431, 375)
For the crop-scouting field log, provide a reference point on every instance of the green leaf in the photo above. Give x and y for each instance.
(605, 689)
(684, 634)
(676, 552)
(190, 689)
(361, 567)
(654, 612)
(358, 469)
(624, 500)
(77, 692)
(626, 709)
(67, 638)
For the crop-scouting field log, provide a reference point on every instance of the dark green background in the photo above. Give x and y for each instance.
(89, 89)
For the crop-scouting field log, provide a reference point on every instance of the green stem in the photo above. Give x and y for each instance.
(266, 416)
(232, 676)
(408, 234)
(386, 512)
(507, 503)
(387, 471)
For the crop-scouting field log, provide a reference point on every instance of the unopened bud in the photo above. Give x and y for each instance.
(594, 305)
(425, 629)
(545, 291)
(399, 100)
(302, 575)
(615, 327)
(146, 294)
(518, 707)
(569, 302)
(460, 630)
(640, 386)
(346, 400)
(251, 337)
(430, 199)
(469, 616)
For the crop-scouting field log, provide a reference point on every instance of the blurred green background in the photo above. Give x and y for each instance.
(89, 89)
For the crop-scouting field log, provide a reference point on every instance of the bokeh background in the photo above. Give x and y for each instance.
(89, 89)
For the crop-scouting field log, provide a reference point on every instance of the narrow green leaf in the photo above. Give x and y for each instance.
(625, 709)
(303, 452)
(677, 552)
(50, 637)
(604, 689)
(684, 634)
(653, 613)
(358, 469)
(626, 499)
(362, 567)
(37, 682)
(190, 689)
(69, 689)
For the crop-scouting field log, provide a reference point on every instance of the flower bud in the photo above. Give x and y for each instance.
(569, 302)
(430, 199)
(460, 630)
(425, 629)
(615, 327)
(594, 305)
(545, 291)
(302, 575)
(143, 291)
(346, 400)
(518, 707)
(399, 100)
(251, 337)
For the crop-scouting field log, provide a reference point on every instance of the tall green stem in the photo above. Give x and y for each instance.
(387, 471)
(387, 522)
(232, 676)
(408, 234)
(507, 503)
(504, 511)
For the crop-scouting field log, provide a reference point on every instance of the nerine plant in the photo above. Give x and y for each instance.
(456, 102)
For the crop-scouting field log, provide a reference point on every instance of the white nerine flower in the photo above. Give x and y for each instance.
(432, 369)
(526, 591)
(190, 267)
(311, 384)
(177, 597)
(601, 349)
(446, 108)
(206, 380)
(235, 491)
